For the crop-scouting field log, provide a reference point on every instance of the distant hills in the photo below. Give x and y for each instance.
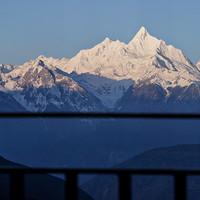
(152, 187)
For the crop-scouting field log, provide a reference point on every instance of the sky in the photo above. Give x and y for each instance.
(61, 28)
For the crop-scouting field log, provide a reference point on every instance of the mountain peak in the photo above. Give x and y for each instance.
(41, 57)
(142, 33)
(107, 41)
(198, 64)
(144, 44)
(39, 62)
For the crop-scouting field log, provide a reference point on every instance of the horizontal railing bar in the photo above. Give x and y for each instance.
(100, 171)
(103, 115)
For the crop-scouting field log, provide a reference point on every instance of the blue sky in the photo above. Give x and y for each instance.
(61, 28)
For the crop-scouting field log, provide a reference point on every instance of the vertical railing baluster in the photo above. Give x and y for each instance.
(180, 186)
(124, 186)
(71, 186)
(17, 186)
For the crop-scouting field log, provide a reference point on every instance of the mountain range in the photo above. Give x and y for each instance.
(144, 75)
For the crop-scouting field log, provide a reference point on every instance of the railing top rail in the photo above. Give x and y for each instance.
(101, 115)
(99, 171)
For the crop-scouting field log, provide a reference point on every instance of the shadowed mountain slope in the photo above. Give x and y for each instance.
(37, 187)
(152, 187)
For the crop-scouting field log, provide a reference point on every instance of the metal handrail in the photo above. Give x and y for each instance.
(124, 175)
(102, 115)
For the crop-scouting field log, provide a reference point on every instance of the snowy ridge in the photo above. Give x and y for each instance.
(142, 58)
(198, 65)
(39, 86)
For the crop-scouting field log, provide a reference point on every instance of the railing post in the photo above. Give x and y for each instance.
(71, 186)
(180, 186)
(16, 185)
(124, 186)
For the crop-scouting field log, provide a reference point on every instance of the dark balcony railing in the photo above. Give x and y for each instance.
(124, 176)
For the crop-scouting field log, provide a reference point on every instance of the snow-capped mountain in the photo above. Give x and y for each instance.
(142, 58)
(146, 71)
(39, 86)
(145, 59)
